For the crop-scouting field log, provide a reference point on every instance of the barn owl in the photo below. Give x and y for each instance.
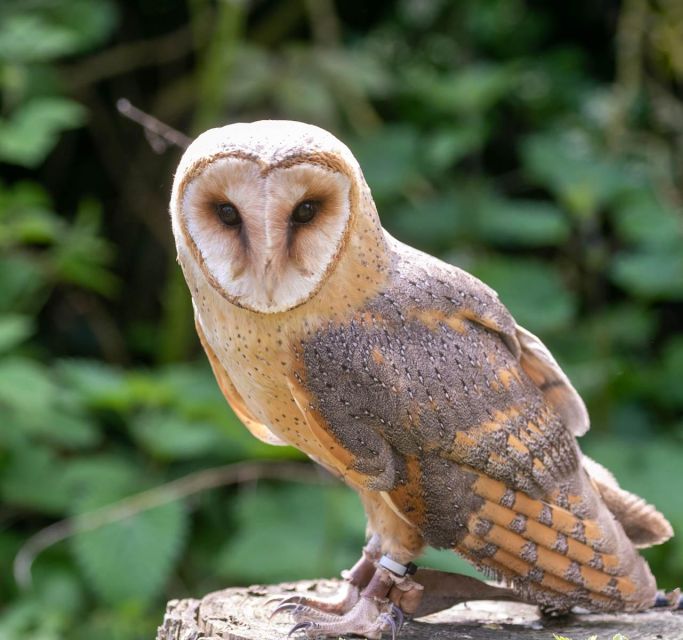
(404, 376)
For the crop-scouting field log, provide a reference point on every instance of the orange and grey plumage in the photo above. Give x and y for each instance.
(403, 375)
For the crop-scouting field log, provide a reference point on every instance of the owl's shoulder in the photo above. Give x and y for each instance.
(434, 290)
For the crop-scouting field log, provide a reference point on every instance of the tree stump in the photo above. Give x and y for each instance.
(242, 613)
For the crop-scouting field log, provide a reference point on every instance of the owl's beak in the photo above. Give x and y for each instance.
(270, 279)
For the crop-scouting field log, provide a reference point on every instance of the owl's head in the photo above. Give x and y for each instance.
(263, 210)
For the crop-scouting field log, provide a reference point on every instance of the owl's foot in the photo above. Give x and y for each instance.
(356, 579)
(381, 607)
(368, 618)
(338, 604)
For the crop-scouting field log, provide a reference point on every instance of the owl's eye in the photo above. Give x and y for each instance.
(305, 211)
(228, 214)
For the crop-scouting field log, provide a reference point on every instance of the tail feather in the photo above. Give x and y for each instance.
(642, 523)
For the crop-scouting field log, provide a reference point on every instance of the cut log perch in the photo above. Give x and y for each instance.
(242, 613)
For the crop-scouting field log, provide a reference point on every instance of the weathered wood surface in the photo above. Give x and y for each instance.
(243, 614)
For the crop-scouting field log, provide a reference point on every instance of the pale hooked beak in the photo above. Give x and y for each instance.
(270, 279)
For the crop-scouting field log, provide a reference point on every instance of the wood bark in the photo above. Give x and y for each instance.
(242, 613)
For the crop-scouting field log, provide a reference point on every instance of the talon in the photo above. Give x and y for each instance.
(388, 618)
(398, 612)
(299, 626)
(279, 598)
(285, 606)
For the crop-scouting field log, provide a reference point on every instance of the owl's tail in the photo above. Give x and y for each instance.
(571, 548)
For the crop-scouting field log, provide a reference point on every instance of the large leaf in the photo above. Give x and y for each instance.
(33, 477)
(432, 223)
(131, 559)
(446, 146)
(583, 178)
(652, 273)
(52, 29)
(99, 385)
(34, 128)
(532, 290)
(169, 436)
(33, 403)
(22, 283)
(522, 222)
(292, 532)
(14, 329)
(389, 159)
(83, 255)
(472, 90)
(643, 218)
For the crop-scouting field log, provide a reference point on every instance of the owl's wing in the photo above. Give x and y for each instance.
(257, 429)
(467, 424)
(539, 364)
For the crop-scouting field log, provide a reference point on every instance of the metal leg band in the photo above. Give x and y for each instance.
(396, 567)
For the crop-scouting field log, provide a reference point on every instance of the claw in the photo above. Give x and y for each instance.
(278, 598)
(285, 606)
(398, 612)
(389, 620)
(299, 626)
(395, 619)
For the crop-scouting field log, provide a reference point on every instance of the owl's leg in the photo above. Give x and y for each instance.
(355, 579)
(391, 592)
(388, 598)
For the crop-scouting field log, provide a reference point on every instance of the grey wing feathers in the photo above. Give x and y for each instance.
(537, 362)
(541, 367)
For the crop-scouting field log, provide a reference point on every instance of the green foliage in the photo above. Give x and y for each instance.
(489, 135)
(30, 133)
(130, 560)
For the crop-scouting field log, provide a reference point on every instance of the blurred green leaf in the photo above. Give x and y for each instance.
(389, 159)
(14, 329)
(129, 560)
(641, 218)
(664, 382)
(22, 283)
(473, 90)
(52, 29)
(532, 290)
(34, 404)
(522, 222)
(100, 385)
(319, 531)
(444, 147)
(33, 478)
(83, 256)
(432, 223)
(570, 167)
(166, 435)
(651, 273)
(34, 128)
(25, 216)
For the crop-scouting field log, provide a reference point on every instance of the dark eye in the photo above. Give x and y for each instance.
(228, 214)
(305, 211)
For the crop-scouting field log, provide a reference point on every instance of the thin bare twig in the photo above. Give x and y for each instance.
(159, 135)
(237, 473)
